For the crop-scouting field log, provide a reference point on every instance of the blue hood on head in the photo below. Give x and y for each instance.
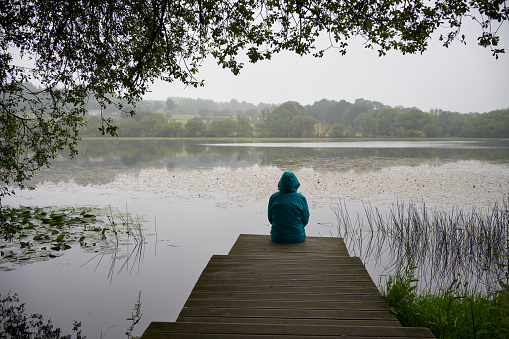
(288, 183)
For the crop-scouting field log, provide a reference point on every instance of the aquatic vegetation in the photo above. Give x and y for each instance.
(122, 234)
(15, 323)
(135, 318)
(31, 234)
(467, 245)
(447, 271)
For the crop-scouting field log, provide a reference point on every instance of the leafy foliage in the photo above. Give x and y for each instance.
(15, 323)
(35, 126)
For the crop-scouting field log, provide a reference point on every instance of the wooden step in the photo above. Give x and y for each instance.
(170, 329)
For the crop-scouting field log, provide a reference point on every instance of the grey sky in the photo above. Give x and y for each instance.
(459, 78)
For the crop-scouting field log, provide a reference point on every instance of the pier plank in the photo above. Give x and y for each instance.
(287, 313)
(262, 289)
(287, 330)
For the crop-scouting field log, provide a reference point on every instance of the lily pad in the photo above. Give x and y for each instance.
(40, 233)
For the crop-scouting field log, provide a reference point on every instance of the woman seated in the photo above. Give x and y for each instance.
(288, 211)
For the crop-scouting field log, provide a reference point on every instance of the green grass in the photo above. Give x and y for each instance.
(452, 313)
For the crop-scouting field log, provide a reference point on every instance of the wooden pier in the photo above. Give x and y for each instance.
(262, 289)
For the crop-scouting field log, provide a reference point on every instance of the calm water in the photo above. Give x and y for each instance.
(198, 196)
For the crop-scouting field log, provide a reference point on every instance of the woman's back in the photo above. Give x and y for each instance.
(288, 211)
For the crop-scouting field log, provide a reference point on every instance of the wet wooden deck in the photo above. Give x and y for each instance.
(262, 289)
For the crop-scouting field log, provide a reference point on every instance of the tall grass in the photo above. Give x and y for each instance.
(467, 245)
(447, 271)
(456, 312)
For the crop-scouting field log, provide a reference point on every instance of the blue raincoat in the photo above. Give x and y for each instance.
(288, 211)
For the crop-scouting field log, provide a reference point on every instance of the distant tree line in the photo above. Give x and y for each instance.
(204, 108)
(373, 119)
(324, 118)
(149, 124)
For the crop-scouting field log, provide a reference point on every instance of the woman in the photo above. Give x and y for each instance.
(288, 211)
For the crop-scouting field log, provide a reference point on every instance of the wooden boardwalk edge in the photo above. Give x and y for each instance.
(263, 289)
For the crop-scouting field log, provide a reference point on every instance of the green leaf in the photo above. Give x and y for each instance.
(25, 214)
(57, 217)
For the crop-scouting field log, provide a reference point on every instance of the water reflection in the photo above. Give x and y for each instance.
(150, 152)
(99, 160)
(382, 143)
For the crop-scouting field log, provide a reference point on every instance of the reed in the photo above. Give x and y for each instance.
(447, 271)
(126, 243)
(467, 245)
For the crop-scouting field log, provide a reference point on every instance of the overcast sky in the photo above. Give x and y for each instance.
(459, 78)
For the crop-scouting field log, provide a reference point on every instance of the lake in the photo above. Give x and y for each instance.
(194, 197)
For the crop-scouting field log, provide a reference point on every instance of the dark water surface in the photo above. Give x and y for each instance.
(199, 195)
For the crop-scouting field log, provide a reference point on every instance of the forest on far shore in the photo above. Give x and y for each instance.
(185, 117)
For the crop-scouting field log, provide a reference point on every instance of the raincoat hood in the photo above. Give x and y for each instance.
(288, 183)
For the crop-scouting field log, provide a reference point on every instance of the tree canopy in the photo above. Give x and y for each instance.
(111, 51)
